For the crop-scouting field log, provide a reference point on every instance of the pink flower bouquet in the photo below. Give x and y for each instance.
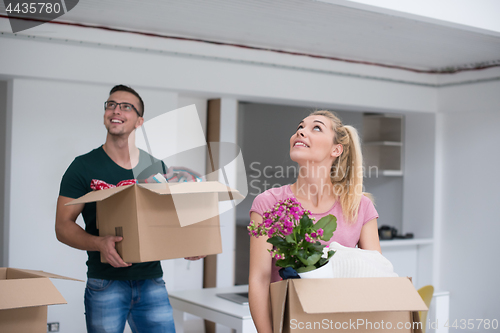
(294, 235)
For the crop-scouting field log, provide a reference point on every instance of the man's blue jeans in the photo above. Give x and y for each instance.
(144, 303)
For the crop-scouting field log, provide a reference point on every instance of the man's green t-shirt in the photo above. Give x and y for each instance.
(76, 183)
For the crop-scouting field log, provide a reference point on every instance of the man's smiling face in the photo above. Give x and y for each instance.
(119, 122)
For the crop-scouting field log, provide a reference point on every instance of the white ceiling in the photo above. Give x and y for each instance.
(304, 26)
(482, 14)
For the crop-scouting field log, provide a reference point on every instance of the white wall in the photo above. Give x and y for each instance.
(3, 175)
(419, 151)
(470, 225)
(49, 129)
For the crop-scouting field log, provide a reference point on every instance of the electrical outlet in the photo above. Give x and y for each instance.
(53, 327)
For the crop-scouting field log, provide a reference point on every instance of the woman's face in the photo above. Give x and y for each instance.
(313, 141)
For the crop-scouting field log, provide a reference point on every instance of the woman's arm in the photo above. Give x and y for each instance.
(368, 240)
(259, 280)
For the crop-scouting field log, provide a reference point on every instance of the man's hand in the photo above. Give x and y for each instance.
(70, 233)
(108, 251)
(195, 258)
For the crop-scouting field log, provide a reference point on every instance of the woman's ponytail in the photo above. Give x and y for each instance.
(347, 170)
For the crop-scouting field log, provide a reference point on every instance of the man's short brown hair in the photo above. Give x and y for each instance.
(122, 87)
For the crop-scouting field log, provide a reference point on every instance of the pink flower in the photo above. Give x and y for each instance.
(284, 221)
(308, 238)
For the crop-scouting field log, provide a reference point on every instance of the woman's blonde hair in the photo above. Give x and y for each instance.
(346, 172)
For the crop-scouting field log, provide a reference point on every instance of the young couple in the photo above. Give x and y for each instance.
(118, 292)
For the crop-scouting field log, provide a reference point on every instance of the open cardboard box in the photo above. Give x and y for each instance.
(346, 304)
(24, 297)
(161, 221)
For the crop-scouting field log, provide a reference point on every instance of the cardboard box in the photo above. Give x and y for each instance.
(161, 221)
(24, 296)
(347, 305)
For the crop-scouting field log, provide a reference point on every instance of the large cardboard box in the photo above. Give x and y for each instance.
(346, 305)
(161, 221)
(24, 297)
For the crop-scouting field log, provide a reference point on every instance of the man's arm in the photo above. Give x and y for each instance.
(70, 233)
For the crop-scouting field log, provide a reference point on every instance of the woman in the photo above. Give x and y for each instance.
(330, 181)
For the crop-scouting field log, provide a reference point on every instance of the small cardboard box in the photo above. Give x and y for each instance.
(346, 304)
(24, 296)
(161, 221)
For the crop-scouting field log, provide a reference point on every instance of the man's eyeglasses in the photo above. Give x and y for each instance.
(125, 107)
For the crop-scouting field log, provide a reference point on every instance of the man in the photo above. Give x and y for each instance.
(117, 291)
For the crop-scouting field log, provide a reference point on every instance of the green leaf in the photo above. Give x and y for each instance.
(301, 254)
(318, 247)
(330, 254)
(306, 223)
(282, 263)
(277, 241)
(309, 260)
(322, 222)
(305, 269)
(328, 224)
(314, 258)
(321, 262)
(289, 239)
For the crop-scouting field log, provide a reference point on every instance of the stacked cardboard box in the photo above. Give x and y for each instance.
(24, 297)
